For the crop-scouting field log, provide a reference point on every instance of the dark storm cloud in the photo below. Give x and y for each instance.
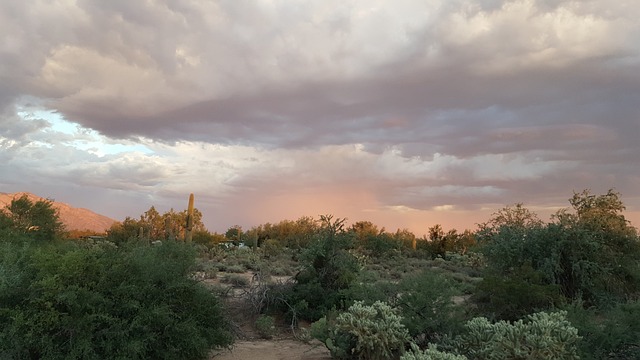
(233, 92)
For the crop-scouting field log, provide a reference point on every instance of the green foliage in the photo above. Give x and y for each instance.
(38, 220)
(598, 251)
(381, 245)
(441, 244)
(266, 326)
(124, 231)
(516, 219)
(154, 226)
(95, 302)
(296, 234)
(364, 332)
(512, 296)
(234, 234)
(372, 241)
(589, 254)
(271, 248)
(425, 302)
(423, 299)
(208, 239)
(607, 334)
(431, 353)
(328, 270)
(541, 336)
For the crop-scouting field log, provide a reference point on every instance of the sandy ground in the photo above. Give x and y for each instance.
(250, 346)
(273, 350)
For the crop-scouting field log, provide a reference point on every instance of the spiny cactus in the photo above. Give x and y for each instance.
(188, 233)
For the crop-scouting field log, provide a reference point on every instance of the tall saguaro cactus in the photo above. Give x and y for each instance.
(188, 233)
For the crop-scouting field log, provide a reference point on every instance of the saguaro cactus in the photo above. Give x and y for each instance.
(168, 230)
(188, 232)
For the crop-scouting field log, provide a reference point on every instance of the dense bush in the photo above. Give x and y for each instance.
(266, 326)
(425, 302)
(100, 302)
(328, 270)
(590, 253)
(608, 334)
(366, 332)
(37, 220)
(515, 295)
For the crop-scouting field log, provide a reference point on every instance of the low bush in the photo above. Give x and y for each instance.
(266, 326)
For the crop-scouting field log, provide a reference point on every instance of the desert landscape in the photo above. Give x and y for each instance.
(162, 286)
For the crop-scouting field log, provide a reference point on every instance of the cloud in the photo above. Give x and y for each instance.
(436, 107)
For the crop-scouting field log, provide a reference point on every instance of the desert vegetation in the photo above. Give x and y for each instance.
(515, 288)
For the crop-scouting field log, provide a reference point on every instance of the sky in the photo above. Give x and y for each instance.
(404, 113)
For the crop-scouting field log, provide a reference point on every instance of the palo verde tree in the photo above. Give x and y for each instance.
(329, 268)
(589, 253)
(597, 250)
(39, 220)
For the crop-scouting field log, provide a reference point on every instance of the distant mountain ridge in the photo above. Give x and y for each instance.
(73, 218)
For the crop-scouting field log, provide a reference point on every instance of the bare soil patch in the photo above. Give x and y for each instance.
(249, 344)
(284, 349)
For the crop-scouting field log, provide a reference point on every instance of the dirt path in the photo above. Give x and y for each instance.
(273, 350)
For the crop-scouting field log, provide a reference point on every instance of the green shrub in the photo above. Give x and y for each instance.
(589, 252)
(364, 332)
(271, 248)
(329, 269)
(72, 302)
(608, 334)
(266, 326)
(425, 302)
(37, 220)
(380, 244)
(510, 297)
(541, 336)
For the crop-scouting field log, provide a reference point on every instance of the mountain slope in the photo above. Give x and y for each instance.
(73, 218)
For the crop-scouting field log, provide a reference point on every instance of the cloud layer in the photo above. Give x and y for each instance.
(408, 113)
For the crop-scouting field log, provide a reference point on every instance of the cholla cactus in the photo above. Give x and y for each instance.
(542, 336)
(371, 332)
(188, 233)
(432, 353)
